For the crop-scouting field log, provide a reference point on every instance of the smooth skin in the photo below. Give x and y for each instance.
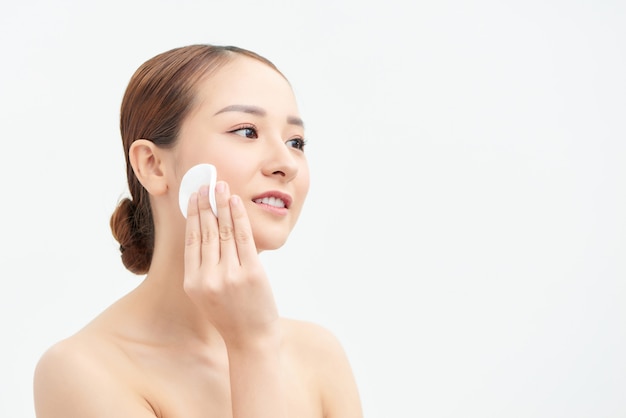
(201, 335)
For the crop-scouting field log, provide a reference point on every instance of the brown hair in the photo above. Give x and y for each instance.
(159, 96)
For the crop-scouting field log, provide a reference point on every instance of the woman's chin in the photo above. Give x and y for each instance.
(269, 243)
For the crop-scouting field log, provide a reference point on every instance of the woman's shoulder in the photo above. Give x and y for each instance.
(314, 345)
(321, 358)
(67, 363)
(65, 360)
(75, 357)
(73, 375)
(309, 336)
(63, 372)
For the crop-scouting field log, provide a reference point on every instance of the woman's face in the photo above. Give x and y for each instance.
(246, 123)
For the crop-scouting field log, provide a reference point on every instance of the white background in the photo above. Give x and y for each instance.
(465, 233)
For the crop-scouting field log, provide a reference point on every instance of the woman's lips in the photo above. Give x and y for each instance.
(273, 199)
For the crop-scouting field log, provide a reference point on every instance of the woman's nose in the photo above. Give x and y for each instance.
(280, 161)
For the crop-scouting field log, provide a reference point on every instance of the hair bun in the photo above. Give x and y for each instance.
(135, 244)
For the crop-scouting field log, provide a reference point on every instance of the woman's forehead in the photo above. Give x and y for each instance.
(246, 81)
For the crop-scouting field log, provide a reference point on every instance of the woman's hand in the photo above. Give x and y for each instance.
(223, 273)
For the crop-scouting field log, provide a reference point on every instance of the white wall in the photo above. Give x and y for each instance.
(465, 233)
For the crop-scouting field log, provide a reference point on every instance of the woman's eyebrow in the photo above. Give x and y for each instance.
(255, 110)
(293, 120)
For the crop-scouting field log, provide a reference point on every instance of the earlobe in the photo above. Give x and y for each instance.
(145, 158)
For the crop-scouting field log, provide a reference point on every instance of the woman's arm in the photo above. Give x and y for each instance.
(256, 380)
(226, 280)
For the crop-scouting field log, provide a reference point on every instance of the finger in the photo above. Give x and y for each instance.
(193, 240)
(246, 248)
(208, 229)
(228, 249)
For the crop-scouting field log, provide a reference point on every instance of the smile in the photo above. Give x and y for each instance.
(271, 201)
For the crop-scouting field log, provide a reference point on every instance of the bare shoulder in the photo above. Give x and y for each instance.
(322, 356)
(72, 379)
(309, 334)
(311, 339)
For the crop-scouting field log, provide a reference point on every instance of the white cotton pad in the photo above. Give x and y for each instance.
(197, 176)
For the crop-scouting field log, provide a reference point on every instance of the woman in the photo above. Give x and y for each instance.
(201, 336)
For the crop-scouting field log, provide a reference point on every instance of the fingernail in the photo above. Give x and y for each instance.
(219, 187)
(204, 191)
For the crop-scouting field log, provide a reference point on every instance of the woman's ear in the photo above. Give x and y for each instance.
(147, 162)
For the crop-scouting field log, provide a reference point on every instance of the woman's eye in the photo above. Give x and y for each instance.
(297, 143)
(246, 131)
